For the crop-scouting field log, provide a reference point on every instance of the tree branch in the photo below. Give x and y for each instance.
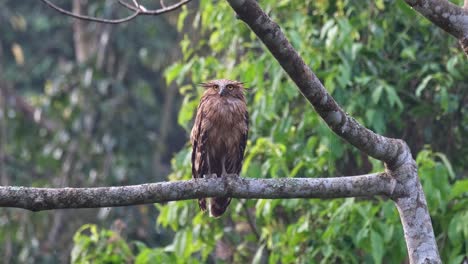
(377, 146)
(38, 199)
(446, 15)
(90, 18)
(144, 11)
(137, 10)
(400, 165)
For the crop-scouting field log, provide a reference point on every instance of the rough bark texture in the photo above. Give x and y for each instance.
(37, 199)
(400, 165)
(412, 207)
(464, 44)
(447, 16)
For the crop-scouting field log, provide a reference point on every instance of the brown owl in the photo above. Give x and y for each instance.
(219, 136)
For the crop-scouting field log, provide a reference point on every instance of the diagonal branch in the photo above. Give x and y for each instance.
(37, 199)
(377, 146)
(446, 15)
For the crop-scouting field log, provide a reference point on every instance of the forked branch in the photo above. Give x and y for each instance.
(136, 8)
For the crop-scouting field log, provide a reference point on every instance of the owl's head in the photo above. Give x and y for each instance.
(224, 88)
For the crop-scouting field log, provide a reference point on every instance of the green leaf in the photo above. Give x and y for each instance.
(187, 111)
(173, 72)
(451, 67)
(423, 85)
(182, 17)
(380, 4)
(459, 188)
(377, 246)
(447, 164)
(407, 10)
(377, 93)
(455, 229)
(258, 255)
(409, 53)
(392, 96)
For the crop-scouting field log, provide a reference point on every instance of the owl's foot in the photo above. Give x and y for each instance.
(229, 175)
(210, 176)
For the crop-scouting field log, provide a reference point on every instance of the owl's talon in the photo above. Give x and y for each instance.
(210, 176)
(228, 175)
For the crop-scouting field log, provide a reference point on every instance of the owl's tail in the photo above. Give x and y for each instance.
(202, 204)
(217, 206)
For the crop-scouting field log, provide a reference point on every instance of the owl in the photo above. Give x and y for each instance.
(219, 136)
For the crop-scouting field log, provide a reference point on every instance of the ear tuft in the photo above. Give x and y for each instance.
(206, 84)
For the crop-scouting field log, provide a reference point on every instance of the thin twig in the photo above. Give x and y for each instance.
(139, 7)
(90, 18)
(136, 8)
(127, 5)
(163, 10)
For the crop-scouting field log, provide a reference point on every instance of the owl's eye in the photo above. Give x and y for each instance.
(216, 87)
(230, 87)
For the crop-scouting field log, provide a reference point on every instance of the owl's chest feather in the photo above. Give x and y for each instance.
(226, 126)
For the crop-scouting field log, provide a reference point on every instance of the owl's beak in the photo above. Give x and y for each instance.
(222, 91)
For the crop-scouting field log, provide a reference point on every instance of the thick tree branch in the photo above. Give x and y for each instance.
(414, 215)
(447, 16)
(37, 199)
(444, 14)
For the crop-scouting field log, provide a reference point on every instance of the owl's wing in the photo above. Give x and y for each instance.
(242, 144)
(199, 157)
(198, 138)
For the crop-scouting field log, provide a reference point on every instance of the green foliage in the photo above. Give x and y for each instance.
(104, 246)
(447, 203)
(108, 112)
